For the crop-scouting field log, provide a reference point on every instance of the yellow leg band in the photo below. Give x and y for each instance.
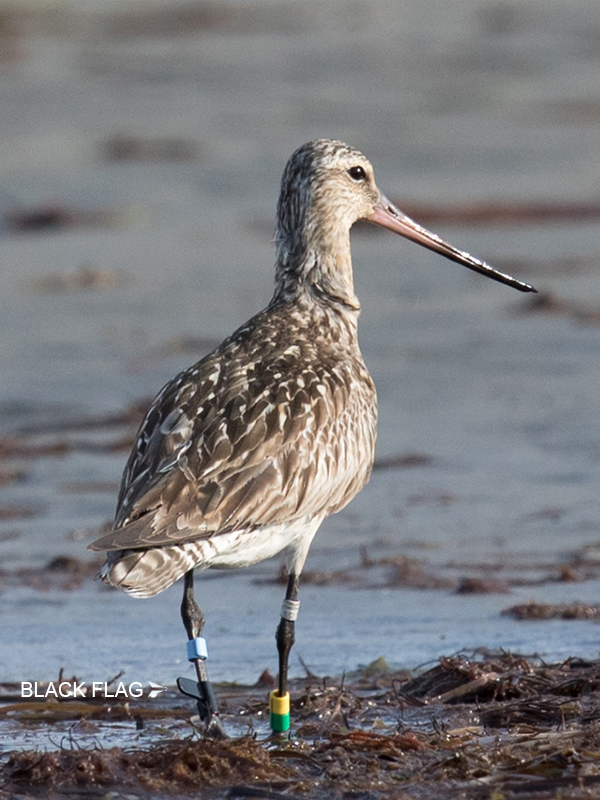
(279, 705)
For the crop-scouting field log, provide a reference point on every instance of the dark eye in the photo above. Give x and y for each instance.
(357, 173)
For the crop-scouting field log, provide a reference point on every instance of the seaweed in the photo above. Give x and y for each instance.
(487, 726)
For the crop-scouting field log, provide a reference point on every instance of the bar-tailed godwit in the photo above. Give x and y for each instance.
(244, 454)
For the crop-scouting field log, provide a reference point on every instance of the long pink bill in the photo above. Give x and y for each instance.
(388, 216)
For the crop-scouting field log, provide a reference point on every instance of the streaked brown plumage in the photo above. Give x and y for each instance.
(276, 426)
(271, 432)
(244, 454)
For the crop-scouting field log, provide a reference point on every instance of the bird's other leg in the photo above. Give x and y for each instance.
(285, 638)
(202, 691)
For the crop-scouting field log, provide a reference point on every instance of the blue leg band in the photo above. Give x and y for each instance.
(196, 648)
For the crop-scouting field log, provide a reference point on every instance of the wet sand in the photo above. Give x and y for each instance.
(141, 154)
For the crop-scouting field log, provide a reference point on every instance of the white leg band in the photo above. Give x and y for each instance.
(289, 610)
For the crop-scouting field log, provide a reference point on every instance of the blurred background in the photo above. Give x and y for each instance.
(141, 147)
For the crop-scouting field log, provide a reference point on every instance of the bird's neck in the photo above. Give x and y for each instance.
(320, 264)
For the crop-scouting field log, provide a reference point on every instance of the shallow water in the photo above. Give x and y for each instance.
(492, 102)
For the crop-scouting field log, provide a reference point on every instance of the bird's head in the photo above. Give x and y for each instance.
(326, 187)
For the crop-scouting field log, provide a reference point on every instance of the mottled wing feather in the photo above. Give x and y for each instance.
(239, 442)
(155, 452)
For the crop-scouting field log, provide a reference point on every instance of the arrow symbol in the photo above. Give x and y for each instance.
(156, 689)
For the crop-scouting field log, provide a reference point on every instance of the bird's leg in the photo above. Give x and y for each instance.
(285, 630)
(201, 691)
(280, 699)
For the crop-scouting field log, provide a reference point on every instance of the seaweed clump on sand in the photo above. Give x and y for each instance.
(175, 767)
(482, 726)
(342, 762)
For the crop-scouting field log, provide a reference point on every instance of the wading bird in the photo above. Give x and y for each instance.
(244, 454)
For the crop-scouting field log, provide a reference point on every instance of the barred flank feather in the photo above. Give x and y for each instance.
(144, 573)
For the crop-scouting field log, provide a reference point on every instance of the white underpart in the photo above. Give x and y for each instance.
(135, 570)
(242, 548)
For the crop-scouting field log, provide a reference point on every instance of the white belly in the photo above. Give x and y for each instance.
(242, 548)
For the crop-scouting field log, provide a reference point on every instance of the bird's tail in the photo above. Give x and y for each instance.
(144, 573)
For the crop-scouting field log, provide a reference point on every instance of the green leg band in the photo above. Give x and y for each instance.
(280, 722)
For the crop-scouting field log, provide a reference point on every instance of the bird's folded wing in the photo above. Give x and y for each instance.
(247, 454)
